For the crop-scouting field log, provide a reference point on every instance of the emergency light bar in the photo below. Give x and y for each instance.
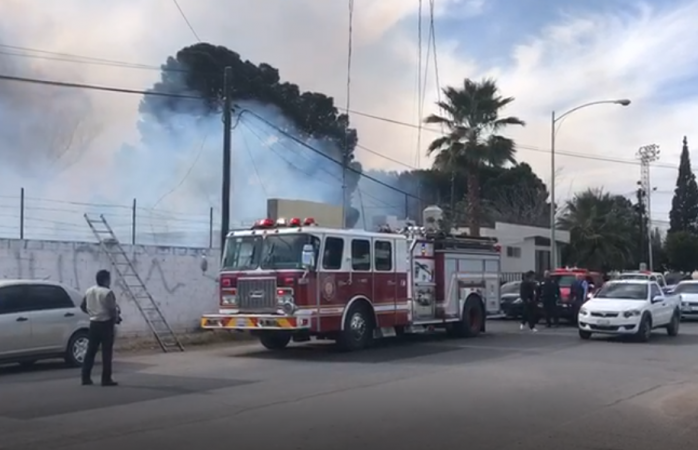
(283, 223)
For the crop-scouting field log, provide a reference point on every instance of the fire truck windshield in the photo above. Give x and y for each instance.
(271, 252)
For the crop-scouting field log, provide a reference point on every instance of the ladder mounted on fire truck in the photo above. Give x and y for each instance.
(133, 285)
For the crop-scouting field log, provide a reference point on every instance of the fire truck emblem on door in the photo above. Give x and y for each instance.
(329, 289)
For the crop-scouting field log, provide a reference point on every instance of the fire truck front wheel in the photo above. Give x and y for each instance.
(274, 340)
(358, 328)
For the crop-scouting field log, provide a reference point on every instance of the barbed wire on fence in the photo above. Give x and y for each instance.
(27, 217)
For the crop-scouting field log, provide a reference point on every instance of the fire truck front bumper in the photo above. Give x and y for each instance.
(254, 322)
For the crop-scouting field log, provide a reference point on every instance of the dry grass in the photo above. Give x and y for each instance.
(199, 338)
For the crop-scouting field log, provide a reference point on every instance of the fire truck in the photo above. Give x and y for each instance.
(292, 280)
(565, 277)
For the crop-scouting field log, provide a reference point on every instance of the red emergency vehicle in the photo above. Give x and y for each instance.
(565, 277)
(294, 280)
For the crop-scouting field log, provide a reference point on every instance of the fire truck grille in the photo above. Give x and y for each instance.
(257, 294)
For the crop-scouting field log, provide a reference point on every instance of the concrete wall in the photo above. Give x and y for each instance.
(172, 274)
(325, 215)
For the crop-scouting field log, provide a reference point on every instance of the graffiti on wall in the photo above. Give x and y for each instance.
(172, 275)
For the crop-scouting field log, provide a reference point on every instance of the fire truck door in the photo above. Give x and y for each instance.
(385, 281)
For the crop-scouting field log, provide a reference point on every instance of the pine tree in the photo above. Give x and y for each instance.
(684, 205)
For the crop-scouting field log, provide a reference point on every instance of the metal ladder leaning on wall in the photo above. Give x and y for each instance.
(133, 285)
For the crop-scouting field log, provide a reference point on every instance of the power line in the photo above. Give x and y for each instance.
(383, 203)
(358, 113)
(184, 16)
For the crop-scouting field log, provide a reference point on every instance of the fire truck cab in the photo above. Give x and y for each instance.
(294, 280)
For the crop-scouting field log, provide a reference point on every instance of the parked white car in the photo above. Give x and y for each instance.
(41, 320)
(687, 292)
(629, 307)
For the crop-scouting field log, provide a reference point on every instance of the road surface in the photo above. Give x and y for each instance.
(505, 391)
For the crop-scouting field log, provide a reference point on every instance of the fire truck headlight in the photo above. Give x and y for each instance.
(289, 308)
(229, 300)
(284, 296)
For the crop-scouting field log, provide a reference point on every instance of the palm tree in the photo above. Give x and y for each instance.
(603, 230)
(471, 116)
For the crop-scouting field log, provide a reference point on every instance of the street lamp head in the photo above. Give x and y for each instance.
(623, 102)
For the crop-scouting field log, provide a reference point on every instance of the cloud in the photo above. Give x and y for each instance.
(638, 51)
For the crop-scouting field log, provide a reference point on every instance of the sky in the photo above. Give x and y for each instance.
(548, 55)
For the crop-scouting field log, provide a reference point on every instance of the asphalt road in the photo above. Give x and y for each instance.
(506, 390)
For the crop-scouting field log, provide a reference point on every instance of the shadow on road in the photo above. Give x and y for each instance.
(659, 338)
(382, 351)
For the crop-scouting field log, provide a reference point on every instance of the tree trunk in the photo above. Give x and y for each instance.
(473, 201)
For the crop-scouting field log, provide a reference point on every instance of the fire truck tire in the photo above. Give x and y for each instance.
(473, 319)
(359, 325)
(274, 340)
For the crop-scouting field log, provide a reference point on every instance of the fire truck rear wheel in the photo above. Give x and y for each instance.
(274, 340)
(358, 328)
(473, 319)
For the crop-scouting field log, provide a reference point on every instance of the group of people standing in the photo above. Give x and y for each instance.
(547, 293)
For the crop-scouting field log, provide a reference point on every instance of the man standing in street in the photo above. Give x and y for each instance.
(549, 294)
(528, 298)
(100, 304)
(578, 294)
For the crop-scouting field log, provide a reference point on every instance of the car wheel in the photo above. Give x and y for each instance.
(77, 348)
(585, 335)
(673, 328)
(644, 332)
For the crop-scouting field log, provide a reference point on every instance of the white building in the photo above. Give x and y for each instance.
(524, 248)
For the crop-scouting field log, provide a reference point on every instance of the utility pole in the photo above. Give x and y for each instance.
(227, 124)
(643, 221)
(648, 154)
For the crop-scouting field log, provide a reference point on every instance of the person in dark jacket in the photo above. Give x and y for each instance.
(549, 294)
(528, 298)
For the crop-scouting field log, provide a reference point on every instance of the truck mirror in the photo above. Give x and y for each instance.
(203, 264)
(308, 257)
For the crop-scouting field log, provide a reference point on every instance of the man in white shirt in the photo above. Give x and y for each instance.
(100, 304)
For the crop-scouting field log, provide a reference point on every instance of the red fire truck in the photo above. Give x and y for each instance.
(294, 280)
(565, 277)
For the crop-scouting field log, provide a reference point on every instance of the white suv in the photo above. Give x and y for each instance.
(629, 307)
(41, 320)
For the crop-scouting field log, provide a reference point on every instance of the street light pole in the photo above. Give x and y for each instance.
(554, 120)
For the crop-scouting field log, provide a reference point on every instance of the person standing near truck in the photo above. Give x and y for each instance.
(549, 294)
(530, 302)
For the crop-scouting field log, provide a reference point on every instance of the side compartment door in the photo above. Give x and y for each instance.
(492, 297)
(15, 327)
(53, 316)
(384, 281)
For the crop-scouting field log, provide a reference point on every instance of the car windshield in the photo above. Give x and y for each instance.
(272, 252)
(686, 288)
(510, 288)
(624, 291)
(564, 280)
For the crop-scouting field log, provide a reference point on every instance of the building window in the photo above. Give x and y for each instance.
(514, 252)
